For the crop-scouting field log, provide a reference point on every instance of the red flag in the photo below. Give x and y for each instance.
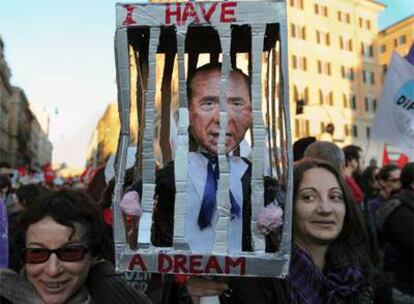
(88, 174)
(22, 171)
(402, 160)
(385, 157)
(48, 173)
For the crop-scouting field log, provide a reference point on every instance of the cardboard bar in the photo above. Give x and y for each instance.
(148, 175)
(258, 152)
(167, 261)
(181, 153)
(223, 196)
(286, 241)
(123, 76)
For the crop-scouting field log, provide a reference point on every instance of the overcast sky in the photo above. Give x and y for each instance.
(61, 54)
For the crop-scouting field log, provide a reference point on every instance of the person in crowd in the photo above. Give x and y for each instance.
(5, 202)
(396, 221)
(328, 264)
(97, 184)
(327, 151)
(352, 168)
(369, 183)
(382, 254)
(6, 193)
(63, 255)
(4, 237)
(388, 179)
(300, 146)
(26, 195)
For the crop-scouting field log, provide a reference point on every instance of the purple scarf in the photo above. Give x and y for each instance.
(4, 244)
(307, 284)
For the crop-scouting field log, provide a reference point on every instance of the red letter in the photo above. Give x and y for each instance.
(210, 11)
(161, 258)
(227, 12)
(169, 13)
(179, 262)
(189, 12)
(240, 262)
(137, 261)
(128, 18)
(212, 263)
(195, 263)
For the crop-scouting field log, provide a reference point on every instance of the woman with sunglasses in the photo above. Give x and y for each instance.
(65, 239)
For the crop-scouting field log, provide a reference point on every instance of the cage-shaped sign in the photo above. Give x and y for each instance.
(209, 84)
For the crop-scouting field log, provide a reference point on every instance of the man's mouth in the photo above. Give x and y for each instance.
(217, 134)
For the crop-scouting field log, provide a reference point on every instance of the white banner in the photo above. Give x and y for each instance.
(394, 119)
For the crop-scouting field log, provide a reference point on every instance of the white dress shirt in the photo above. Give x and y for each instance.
(202, 240)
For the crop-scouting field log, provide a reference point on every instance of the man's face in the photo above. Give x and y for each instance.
(392, 184)
(205, 108)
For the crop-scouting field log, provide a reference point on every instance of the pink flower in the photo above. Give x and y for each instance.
(130, 204)
(269, 219)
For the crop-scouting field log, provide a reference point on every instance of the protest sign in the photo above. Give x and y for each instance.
(213, 175)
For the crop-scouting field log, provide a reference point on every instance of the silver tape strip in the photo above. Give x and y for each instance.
(274, 100)
(124, 106)
(288, 162)
(148, 166)
(259, 135)
(181, 153)
(223, 196)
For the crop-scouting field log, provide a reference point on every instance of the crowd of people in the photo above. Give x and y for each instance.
(352, 230)
(352, 227)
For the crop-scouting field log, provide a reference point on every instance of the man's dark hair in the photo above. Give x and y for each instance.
(211, 67)
(300, 146)
(326, 151)
(351, 152)
(5, 181)
(68, 207)
(407, 176)
(27, 194)
(384, 172)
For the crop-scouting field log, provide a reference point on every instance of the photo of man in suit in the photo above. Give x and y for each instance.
(203, 90)
(204, 107)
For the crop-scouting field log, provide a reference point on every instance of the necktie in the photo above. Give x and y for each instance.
(209, 202)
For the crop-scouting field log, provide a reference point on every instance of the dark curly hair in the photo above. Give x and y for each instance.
(68, 207)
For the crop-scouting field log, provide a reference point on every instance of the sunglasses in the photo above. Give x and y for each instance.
(66, 254)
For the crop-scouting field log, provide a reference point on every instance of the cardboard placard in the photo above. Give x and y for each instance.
(209, 80)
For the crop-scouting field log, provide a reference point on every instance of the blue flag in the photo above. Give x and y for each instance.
(410, 55)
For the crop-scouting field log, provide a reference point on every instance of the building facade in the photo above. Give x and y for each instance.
(334, 69)
(397, 37)
(23, 142)
(20, 122)
(5, 95)
(104, 139)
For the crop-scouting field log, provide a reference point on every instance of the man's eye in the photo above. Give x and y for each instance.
(208, 104)
(236, 102)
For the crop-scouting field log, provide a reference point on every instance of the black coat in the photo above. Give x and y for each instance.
(162, 229)
(398, 230)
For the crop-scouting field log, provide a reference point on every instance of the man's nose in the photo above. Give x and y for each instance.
(53, 266)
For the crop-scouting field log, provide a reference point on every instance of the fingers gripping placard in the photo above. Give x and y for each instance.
(202, 198)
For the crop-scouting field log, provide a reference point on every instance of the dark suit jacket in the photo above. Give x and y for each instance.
(163, 216)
